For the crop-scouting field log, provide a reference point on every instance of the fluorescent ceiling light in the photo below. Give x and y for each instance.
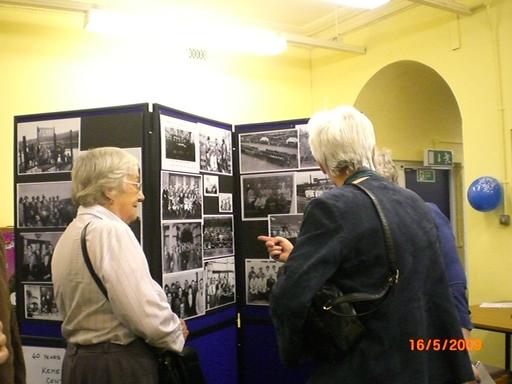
(194, 32)
(366, 4)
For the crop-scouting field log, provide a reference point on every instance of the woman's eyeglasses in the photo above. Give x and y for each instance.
(137, 184)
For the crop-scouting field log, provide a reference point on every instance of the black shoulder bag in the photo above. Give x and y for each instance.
(173, 367)
(333, 326)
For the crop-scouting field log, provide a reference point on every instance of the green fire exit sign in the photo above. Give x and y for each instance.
(438, 158)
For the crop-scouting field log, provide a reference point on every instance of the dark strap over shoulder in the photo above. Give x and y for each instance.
(88, 263)
(394, 271)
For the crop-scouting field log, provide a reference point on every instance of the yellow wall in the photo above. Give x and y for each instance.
(48, 63)
(56, 68)
(427, 36)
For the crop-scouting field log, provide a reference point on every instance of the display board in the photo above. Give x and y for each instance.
(46, 145)
(278, 176)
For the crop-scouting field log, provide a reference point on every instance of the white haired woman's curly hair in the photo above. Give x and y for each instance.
(342, 140)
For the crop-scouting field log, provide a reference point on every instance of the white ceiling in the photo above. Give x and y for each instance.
(301, 18)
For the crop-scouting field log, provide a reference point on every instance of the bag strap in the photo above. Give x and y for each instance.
(394, 273)
(88, 263)
(388, 240)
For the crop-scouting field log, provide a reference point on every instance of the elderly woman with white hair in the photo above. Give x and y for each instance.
(110, 339)
(341, 241)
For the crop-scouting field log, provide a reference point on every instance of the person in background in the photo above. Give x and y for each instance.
(12, 364)
(110, 340)
(341, 241)
(453, 267)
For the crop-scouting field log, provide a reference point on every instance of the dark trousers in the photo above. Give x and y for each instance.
(107, 363)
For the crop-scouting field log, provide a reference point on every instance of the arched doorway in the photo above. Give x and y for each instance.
(413, 108)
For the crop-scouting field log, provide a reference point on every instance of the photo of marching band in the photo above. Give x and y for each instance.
(47, 146)
(269, 151)
(182, 246)
(218, 236)
(37, 255)
(260, 276)
(181, 196)
(220, 282)
(215, 150)
(43, 205)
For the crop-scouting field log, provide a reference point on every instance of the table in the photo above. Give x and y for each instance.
(496, 320)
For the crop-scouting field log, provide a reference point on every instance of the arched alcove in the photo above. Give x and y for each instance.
(413, 108)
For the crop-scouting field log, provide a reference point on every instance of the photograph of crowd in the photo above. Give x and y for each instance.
(268, 151)
(263, 195)
(220, 282)
(225, 202)
(309, 185)
(217, 236)
(43, 205)
(287, 226)
(37, 255)
(181, 196)
(47, 146)
(306, 159)
(40, 303)
(211, 185)
(182, 246)
(215, 150)
(180, 149)
(185, 293)
(260, 276)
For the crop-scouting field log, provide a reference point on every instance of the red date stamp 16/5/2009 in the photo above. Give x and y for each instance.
(445, 344)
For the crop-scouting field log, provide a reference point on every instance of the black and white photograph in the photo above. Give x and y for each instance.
(180, 146)
(287, 226)
(264, 195)
(182, 246)
(220, 282)
(211, 185)
(260, 276)
(215, 149)
(40, 303)
(186, 293)
(225, 202)
(218, 236)
(306, 159)
(45, 205)
(269, 151)
(181, 196)
(47, 146)
(37, 255)
(310, 184)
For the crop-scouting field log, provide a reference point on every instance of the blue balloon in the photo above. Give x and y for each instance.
(484, 194)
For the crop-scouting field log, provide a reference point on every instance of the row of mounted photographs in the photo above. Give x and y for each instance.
(51, 146)
(48, 204)
(186, 245)
(189, 293)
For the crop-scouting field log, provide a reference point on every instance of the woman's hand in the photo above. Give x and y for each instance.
(184, 329)
(4, 352)
(279, 248)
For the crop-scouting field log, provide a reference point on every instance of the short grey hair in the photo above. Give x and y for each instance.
(385, 165)
(99, 170)
(342, 140)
